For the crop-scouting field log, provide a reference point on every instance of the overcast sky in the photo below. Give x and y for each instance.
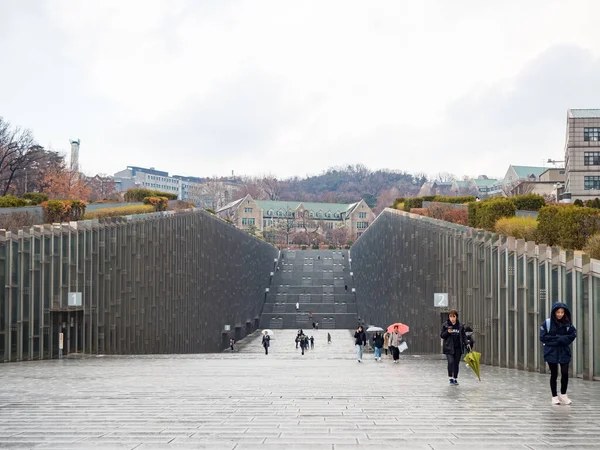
(293, 87)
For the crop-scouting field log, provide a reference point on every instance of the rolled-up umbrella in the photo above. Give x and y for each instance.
(472, 359)
(372, 329)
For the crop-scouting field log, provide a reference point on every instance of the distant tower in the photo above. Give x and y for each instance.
(75, 155)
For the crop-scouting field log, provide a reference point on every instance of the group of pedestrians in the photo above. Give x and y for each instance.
(303, 341)
(391, 341)
(557, 333)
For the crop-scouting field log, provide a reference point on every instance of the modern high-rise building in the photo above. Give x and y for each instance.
(582, 155)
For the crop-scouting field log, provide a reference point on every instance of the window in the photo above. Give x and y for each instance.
(337, 215)
(591, 158)
(591, 134)
(362, 225)
(270, 212)
(248, 221)
(248, 210)
(362, 215)
(328, 214)
(330, 225)
(590, 183)
(279, 213)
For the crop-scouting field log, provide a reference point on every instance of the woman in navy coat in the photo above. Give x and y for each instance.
(557, 333)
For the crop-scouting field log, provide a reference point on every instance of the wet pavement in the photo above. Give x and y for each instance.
(322, 400)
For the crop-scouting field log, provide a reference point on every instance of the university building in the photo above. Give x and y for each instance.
(582, 155)
(294, 216)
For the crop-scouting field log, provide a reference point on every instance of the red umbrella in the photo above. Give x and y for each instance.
(402, 329)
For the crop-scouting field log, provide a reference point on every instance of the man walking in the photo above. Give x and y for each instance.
(266, 341)
(360, 340)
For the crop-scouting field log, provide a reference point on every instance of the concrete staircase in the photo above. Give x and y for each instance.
(320, 282)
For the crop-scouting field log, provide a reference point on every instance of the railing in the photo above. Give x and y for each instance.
(503, 287)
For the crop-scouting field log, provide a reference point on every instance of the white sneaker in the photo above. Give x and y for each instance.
(564, 399)
(555, 401)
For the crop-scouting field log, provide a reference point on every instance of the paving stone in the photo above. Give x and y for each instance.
(323, 400)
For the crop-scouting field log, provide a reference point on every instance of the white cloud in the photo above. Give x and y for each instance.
(260, 85)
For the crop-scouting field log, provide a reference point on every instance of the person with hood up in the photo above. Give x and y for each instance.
(453, 334)
(360, 339)
(557, 333)
(377, 345)
(469, 339)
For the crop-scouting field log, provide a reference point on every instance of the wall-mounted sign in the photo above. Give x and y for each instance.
(440, 300)
(74, 299)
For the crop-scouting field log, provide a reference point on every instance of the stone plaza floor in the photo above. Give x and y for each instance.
(323, 400)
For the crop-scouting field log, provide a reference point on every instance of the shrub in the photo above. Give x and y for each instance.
(592, 203)
(63, 210)
(529, 202)
(428, 198)
(592, 246)
(303, 247)
(519, 227)
(438, 211)
(399, 201)
(181, 204)
(35, 198)
(456, 200)
(159, 203)
(119, 211)
(19, 219)
(411, 203)
(420, 211)
(489, 211)
(138, 195)
(473, 207)
(9, 201)
(547, 225)
(331, 247)
(212, 211)
(459, 216)
(567, 226)
(578, 202)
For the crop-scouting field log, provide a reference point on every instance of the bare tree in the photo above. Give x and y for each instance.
(309, 226)
(445, 177)
(271, 187)
(18, 150)
(386, 199)
(101, 187)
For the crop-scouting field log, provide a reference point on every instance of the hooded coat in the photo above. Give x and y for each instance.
(557, 340)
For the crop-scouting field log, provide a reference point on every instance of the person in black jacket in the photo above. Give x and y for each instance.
(557, 334)
(377, 345)
(470, 340)
(453, 334)
(360, 340)
(266, 342)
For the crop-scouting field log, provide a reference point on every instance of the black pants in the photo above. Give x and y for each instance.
(453, 364)
(564, 378)
(386, 350)
(266, 349)
(395, 352)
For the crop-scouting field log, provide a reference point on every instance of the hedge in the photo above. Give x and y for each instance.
(56, 211)
(411, 203)
(9, 201)
(485, 214)
(569, 227)
(35, 198)
(529, 202)
(590, 203)
(456, 200)
(159, 203)
(592, 246)
(119, 211)
(519, 227)
(138, 195)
